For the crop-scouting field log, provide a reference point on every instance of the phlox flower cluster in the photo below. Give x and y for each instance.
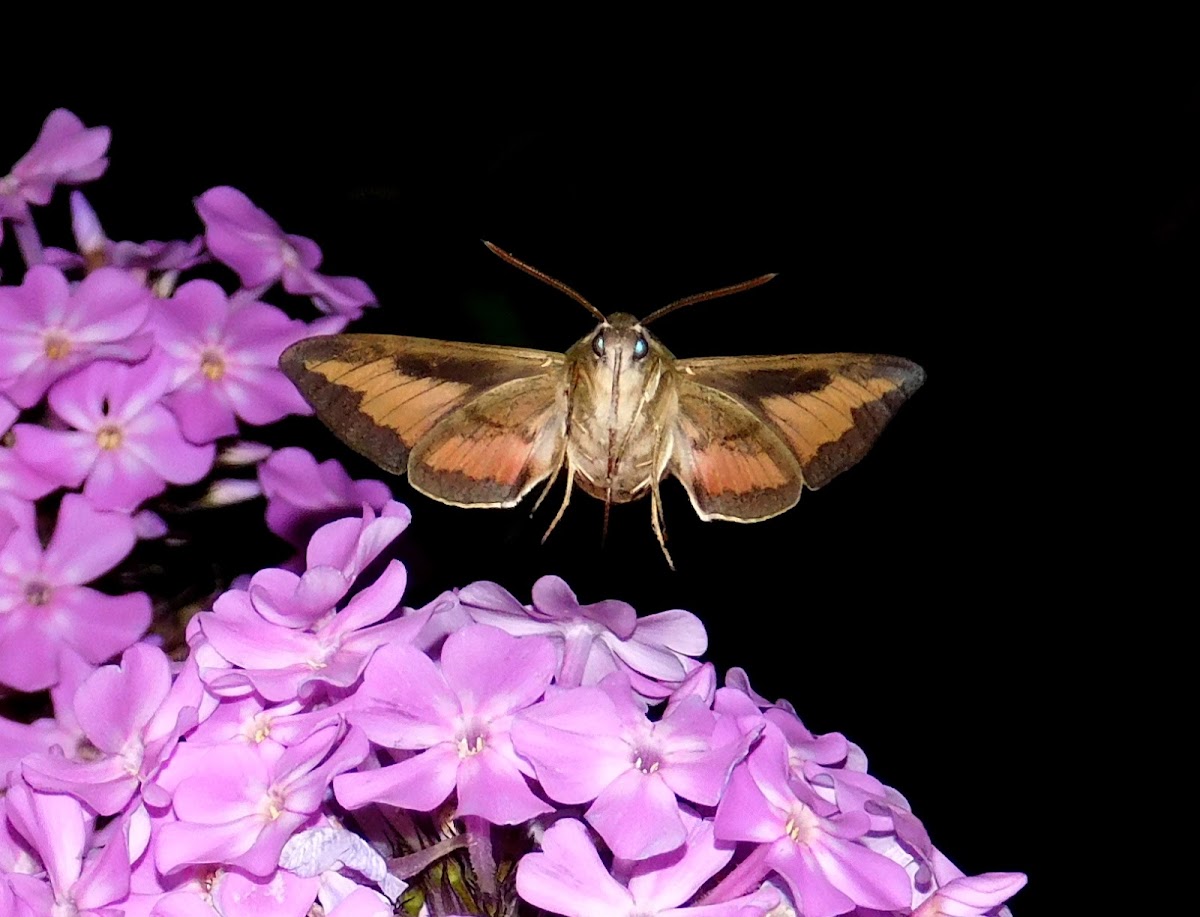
(312, 745)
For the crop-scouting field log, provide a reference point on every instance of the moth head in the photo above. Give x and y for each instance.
(621, 339)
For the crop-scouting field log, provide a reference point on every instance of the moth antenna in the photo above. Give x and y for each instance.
(544, 278)
(711, 294)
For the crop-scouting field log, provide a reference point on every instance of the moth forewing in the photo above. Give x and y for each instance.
(383, 394)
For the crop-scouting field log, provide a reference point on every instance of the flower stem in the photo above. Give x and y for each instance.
(744, 878)
(479, 849)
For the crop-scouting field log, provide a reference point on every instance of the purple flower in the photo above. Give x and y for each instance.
(245, 238)
(282, 653)
(224, 356)
(125, 714)
(48, 329)
(65, 153)
(84, 877)
(214, 892)
(568, 878)
(284, 634)
(804, 839)
(44, 608)
(971, 896)
(457, 717)
(124, 442)
(597, 639)
(303, 495)
(97, 251)
(239, 805)
(595, 743)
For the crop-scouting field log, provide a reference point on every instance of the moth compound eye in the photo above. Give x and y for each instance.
(640, 348)
(598, 344)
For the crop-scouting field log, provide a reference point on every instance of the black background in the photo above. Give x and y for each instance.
(912, 204)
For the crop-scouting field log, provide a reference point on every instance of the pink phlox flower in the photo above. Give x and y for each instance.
(48, 329)
(288, 661)
(595, 744)
(224, 356)
(124, 443)
(457, 717)
(827, 764)
(125, 715)
(835, 769)
(815, 849)
(567, 877)
(303, 495)
(211, 890)
(285, 634)
(84, 877)
(655, 651)
(65, 153)
(225, 892)
(44, 607)
(972, 896)
(350, 544)
(97, 250)
(239, 805)
(252, 721)
(244, 237)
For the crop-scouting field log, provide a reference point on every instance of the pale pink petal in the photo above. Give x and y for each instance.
(102, 625)
(638, 816)
(120, 481)
(494, 673)
(155, 438)
(489, 785)
(87, 543)
(422, 782)
(61, 457)
(568, 878)
(116, 702)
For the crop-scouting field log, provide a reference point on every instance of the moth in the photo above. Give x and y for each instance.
(477, 425)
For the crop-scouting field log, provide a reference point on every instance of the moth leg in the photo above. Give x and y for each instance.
(659, 523)
(550, 483)
(566, 499)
